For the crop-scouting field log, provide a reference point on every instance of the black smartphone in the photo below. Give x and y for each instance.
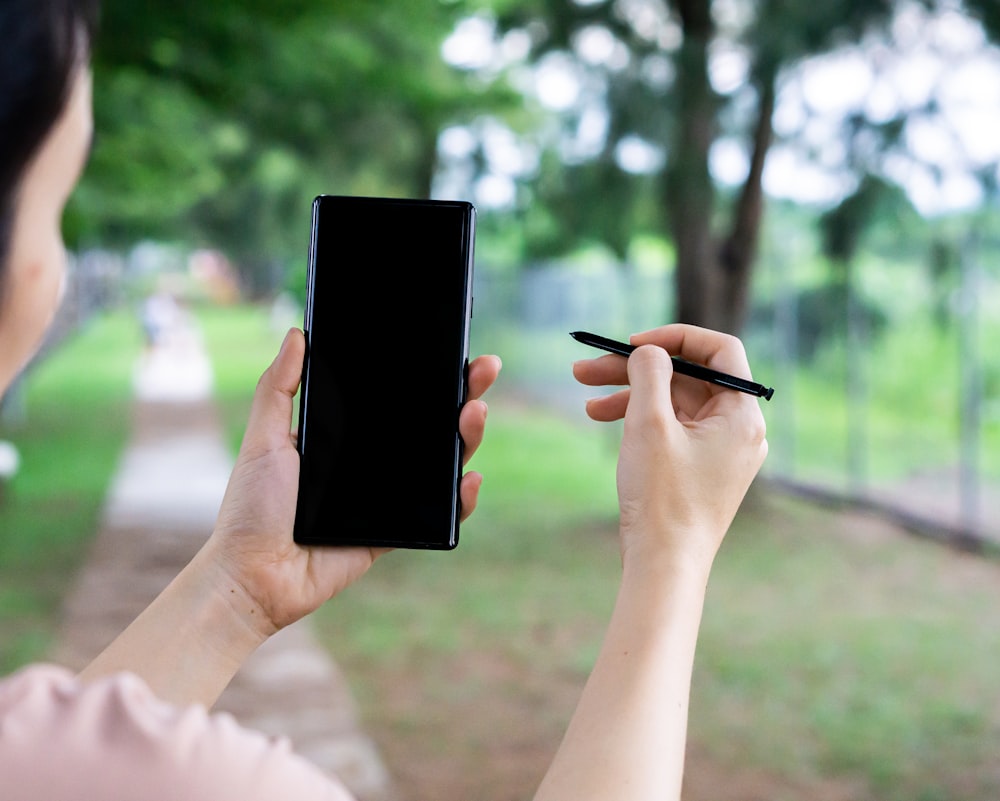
(387, 318)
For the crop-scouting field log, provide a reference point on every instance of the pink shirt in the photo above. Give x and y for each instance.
(113, 740)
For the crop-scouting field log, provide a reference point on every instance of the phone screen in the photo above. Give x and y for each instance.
(388, 309)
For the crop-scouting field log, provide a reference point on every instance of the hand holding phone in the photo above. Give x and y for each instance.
(388, 311)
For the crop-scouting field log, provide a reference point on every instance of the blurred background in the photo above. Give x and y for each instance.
(819, 177)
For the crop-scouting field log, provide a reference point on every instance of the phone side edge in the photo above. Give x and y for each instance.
(468, 303)
(301, 439)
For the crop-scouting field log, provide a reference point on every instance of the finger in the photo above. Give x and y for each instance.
(609, 370)
(700, 345)
(609, 407)
(472, 426)
(649, 373)
(483, 371)
(271, 410)
(468, 492)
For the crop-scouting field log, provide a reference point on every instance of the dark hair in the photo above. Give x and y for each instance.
(42, 43)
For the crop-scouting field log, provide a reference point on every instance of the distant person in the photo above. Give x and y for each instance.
(159, 315)
(134, 724)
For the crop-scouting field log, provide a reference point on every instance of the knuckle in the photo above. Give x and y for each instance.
(732, 342)
(758, 430)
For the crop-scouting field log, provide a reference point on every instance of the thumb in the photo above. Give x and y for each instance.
(271, 411)
(649, 374)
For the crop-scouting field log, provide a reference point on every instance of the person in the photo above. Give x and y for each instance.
(159, 315)
(136, 723)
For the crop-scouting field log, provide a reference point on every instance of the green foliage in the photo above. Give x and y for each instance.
(910, 401)
(218, 122)
(785, 30)
(145, 136)
(823, 317)
(844, 225)
(988, 12)
(560, 218)
(657, 87)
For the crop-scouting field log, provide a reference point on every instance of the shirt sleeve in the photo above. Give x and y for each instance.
(113, 740)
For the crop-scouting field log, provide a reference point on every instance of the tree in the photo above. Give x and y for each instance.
(218, 122)
(665, 92)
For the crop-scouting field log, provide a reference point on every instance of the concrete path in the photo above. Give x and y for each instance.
(160, 508)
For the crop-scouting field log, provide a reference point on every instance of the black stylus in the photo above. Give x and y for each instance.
(680, 366)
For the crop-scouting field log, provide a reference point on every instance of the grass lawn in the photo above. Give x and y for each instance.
(76, 419)
(839, 658)
(836, 649)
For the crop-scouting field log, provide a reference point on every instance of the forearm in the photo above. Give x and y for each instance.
(190, 641)
(627, 737)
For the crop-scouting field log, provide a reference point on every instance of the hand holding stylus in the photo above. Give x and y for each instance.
(687, 446)
(680, 366)
(689, 452)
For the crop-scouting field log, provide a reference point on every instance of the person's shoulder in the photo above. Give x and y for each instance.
(33, 687)
(113, 739)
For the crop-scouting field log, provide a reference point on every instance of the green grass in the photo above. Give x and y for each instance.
(76, 402)
(822, 656)
(860, 652)
(241, 342)
(908, 413)
(528, 553)
(832, 649)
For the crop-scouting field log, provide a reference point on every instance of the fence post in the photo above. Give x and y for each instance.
(785, 332)
(970, 384)
(856, 387)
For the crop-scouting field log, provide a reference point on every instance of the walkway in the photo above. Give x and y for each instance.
(160, 508)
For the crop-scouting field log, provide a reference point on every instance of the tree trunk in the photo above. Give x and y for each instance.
(712, 276)
(426, 168)
(739, 251)
(689, 194)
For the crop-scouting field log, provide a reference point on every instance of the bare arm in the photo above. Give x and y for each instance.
(627, 737)
(689, 453)
(250, 579)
